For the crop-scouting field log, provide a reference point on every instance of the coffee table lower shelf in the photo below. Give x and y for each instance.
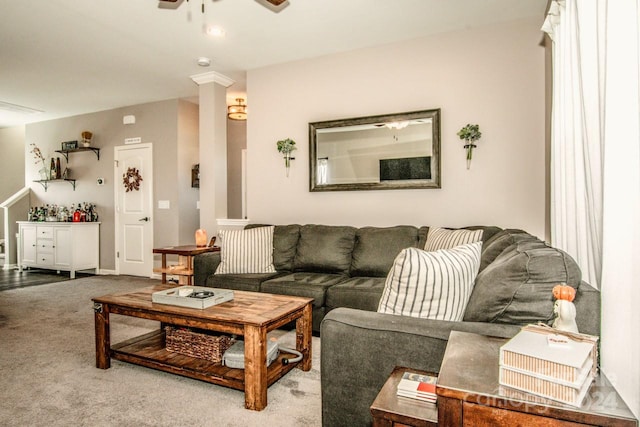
(149, 350)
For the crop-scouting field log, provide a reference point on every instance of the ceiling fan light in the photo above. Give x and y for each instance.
(216, 31)
(237, 111)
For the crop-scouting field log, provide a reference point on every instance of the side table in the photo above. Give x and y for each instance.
(184, 268)
(390, 410)
(469, 393)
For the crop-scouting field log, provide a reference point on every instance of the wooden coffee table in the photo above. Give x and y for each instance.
(250, 314)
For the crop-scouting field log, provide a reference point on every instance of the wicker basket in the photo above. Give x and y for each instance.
(196, 344)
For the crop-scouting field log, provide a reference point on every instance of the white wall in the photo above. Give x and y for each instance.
(11, 165)
(493, 76)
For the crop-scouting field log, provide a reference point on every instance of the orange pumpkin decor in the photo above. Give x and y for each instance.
(564, 292)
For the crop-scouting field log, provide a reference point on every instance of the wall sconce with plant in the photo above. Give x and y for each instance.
(286, 147)
(470, 134)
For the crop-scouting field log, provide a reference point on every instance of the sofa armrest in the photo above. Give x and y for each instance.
(587, 304)
(360, 349)
(204, 265)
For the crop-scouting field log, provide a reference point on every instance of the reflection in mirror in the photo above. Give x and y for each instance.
(375, 153)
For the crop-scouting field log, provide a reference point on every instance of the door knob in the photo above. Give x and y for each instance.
(145, 219)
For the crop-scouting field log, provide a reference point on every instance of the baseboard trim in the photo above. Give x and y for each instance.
(10, 266)
(105, 272)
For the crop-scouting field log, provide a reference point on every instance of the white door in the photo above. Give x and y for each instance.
(134, 209)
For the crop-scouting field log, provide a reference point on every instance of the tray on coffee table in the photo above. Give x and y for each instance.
(192, 296)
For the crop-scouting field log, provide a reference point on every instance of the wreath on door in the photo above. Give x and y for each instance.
(132, 179)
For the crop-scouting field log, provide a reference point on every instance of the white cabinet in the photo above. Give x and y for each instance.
(27, 249)
(61, 246)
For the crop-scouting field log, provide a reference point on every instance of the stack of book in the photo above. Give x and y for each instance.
(418, 386)
(550, 363)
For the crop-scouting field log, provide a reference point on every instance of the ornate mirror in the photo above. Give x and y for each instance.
(391, 151)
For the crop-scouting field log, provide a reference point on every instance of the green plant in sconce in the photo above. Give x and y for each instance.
(470, 134)
(286, 147)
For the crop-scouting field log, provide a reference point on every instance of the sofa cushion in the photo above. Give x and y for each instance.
(496, 244)
(433, 285)
(310, 285)
(516, 287)
(442, 238)
(357, 292)
(488, 231)
(324, 249)
(285, 241)
(246, 251)
(239, 282)
(422, 236)
(376, 248)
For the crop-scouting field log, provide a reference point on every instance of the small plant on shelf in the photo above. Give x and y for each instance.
(39, 158)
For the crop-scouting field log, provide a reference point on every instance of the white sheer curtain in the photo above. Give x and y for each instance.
(596, 167)
(577, 136)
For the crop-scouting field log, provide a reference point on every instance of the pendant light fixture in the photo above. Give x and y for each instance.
(237, 111)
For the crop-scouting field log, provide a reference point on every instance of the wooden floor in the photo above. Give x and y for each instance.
(12, 279)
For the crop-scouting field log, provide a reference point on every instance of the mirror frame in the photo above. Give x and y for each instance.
(435, 182)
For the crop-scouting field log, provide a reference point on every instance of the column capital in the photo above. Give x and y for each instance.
(214, 77)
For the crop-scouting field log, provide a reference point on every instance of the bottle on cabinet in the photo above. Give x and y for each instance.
(58, 169)
(77, 215)
(53, 174)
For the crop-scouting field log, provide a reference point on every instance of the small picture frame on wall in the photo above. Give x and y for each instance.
(195, 176)
(70, 145)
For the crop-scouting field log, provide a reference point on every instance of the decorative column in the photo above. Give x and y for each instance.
(212, 148)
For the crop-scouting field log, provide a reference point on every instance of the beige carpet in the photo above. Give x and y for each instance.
(48, 375)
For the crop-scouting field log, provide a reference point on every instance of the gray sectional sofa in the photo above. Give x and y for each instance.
(344, 269)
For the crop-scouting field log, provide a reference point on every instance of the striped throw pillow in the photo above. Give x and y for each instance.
(433, 285)
(441, 238)
(246, 251)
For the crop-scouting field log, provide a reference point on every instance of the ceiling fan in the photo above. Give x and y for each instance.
(274, 3)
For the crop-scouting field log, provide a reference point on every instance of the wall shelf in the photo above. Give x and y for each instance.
(45, 182)
(65, 153)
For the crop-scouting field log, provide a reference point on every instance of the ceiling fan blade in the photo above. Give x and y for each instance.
(276, 2)
(170, 4)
